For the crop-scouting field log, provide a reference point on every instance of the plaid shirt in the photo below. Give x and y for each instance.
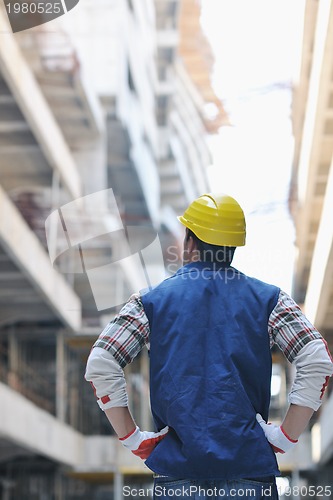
(128, 332)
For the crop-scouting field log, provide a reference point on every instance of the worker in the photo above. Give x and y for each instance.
(209, 329)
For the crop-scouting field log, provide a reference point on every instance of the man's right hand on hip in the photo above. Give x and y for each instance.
(142, 443)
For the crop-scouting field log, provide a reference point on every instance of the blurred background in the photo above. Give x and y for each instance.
(113, 118)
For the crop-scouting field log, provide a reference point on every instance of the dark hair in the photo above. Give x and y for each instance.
(216, 254)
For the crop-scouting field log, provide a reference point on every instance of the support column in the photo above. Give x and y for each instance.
(61, 372)
(13, 360)
(59, 493)
(92, 156)
(118, 484)
(295, 483)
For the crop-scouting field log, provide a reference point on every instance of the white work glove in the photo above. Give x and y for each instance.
(142, 443)
(276, 436)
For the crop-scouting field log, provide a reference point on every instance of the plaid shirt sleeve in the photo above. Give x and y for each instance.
(127, 334)
(289, 328)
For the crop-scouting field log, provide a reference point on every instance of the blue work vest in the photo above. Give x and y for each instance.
(210, 373)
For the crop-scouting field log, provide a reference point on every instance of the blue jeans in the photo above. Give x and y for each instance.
(167, 488)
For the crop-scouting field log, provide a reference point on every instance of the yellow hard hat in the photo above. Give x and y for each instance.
(216, 219)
